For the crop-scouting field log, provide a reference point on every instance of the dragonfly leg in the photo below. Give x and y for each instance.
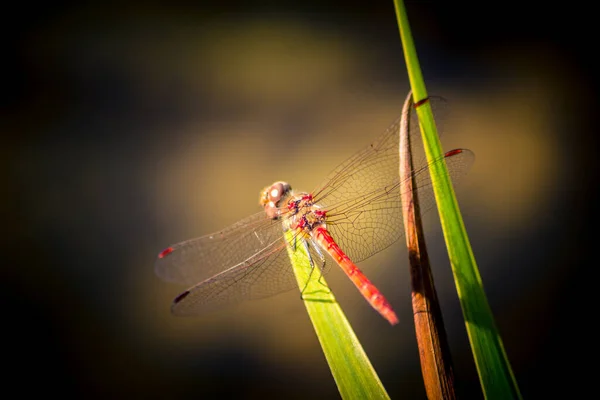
(312, 267)
(322, 259)
(294, 243)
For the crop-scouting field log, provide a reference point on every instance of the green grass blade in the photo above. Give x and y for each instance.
(495, 373)
(353, 373)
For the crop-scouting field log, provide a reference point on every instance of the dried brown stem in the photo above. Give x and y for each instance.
(436, 363)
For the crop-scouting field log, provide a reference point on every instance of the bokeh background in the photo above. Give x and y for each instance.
(132, 126)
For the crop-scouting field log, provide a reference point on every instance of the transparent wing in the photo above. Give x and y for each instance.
(196, 260)
(362, 195)
(265, 273)
(244, 261)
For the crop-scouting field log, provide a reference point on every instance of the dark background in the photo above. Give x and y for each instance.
(131, 126)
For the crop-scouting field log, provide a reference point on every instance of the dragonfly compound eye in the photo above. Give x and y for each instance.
(271, 197)
(277, 191)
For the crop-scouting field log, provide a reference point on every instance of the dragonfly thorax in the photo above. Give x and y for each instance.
(304, 214)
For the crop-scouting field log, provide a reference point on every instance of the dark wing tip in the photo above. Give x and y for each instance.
(180, 297)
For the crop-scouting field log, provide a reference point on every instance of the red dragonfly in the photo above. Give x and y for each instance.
(353, 214)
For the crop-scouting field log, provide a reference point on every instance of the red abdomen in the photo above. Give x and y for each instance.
(363, 284)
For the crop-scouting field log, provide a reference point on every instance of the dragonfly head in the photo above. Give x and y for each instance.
(271, 198)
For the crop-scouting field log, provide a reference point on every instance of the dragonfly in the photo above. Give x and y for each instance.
(353, 214)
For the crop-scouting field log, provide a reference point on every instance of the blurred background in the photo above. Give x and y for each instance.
(133, 126)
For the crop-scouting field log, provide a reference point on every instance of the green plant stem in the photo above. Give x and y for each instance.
(495, 373)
